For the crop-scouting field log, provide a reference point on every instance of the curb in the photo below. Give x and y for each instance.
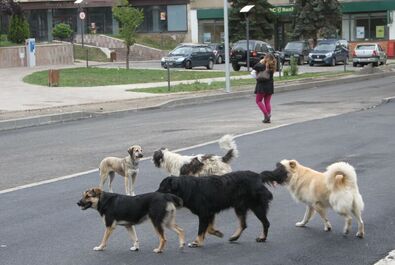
(79, 115)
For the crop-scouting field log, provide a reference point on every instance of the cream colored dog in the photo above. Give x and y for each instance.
(126, 167)
(335, 188)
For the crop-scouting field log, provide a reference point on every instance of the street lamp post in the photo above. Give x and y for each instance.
(246, 9)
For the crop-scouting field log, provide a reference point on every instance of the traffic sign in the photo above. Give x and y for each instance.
(82, 15)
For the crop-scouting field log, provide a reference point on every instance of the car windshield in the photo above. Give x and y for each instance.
(365, 47)
(181, 51)
(325, 47)
(243, 45)
(294, 46)
(213, 46)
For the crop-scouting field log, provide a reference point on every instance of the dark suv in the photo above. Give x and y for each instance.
(299, 49)
(188, 56)
(328, 52)
(258, 50)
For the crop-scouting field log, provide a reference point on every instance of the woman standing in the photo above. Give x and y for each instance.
(264, 89)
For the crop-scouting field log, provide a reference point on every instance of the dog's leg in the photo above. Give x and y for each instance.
(133, 236)
(241, 214)
(127, 187)
(211, 230)
(112, 175)
(347, 224)
(307, 216)
(260, 212)
(103, 243)
(133, 179)
(162, 239)
(103, 178)
(203, 224)
(361, 226)
(171, 224)
(322, 212)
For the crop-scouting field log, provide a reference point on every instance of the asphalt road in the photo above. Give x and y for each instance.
(43, 225)
(35, 154)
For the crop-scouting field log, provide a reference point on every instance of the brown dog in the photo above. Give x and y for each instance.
(126, 167)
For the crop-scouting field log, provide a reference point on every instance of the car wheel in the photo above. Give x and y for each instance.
(236, 67)
(376, 64)
(333, 62)
(210, 64)
(300, 61)
(354, 64)
(188, 65)
(220, 60)
(311, 63)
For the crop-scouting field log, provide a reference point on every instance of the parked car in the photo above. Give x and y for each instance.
(366, 53)
(258, 50)
(328, 52)
(299, 49)
(189, 55)
(219, 52)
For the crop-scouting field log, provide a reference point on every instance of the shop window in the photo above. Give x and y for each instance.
(177, 18)
(371, 26)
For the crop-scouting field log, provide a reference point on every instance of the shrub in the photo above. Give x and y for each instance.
(286, 71)
(62, 31)
(18, 29)
(293, 66)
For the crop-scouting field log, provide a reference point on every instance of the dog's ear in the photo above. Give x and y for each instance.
(131, 150)
(95, 192)
(292, 164)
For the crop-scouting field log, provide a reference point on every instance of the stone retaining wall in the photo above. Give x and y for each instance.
(46, 54)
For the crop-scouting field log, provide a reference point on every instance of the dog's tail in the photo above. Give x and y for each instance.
(342, 178)
(174, 199)
(277, 176)
(227, 143)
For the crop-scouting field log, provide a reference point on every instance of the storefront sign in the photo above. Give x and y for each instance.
(162, 16)
(380, 32)
(282, 9)
(360, 32)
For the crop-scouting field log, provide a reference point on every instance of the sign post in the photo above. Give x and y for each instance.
(82, 16)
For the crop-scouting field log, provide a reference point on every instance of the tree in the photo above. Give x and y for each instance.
(18, 29)
(317, 19)
(261, 20)
(62, 31)
(129, 19)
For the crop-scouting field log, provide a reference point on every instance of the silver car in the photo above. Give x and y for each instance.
(366, 53)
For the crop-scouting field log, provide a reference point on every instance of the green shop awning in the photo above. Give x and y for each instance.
(370, 6)
(210, 14)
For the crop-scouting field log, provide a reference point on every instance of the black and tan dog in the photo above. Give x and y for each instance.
(241, 190)
(117, 209)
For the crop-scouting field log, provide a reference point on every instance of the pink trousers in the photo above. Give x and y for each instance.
(263, 102)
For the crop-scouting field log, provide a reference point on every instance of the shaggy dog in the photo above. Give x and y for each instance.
(127, 167)
(241, 190)
(335, 188)
(197, 165)
(116, 209)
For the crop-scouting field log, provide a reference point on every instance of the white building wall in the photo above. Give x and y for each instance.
(391, 27)
(194, 26)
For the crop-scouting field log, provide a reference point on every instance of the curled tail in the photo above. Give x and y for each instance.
(340, 178)
(175, 199)
(227, 143)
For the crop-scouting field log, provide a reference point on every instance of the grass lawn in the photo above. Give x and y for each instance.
(92, 76)
(94, 54)
(234, 83)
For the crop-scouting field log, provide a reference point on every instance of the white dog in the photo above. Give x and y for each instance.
(197, 165)
(335, 188)
(126, 167)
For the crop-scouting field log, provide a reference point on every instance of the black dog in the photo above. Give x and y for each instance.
(241, 190)
(117, 209)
